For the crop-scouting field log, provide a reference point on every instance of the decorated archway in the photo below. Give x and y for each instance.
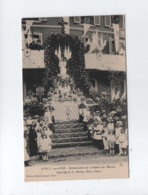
(59, 46)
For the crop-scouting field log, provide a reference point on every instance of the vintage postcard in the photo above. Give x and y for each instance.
(74, 98)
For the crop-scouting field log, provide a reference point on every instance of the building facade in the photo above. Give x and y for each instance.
(104, 62)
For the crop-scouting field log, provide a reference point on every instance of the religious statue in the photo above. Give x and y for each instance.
(63, 71)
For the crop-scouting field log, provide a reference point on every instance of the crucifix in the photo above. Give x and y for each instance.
(62, 23)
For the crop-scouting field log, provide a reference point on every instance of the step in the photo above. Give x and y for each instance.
(72, 151)
(69, 134)
(69, 139)
(69, 130)
(65, 122)
(67, 125)
(72, 144)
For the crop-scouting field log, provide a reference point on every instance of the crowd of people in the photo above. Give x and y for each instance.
(107, 129)
(105, 123)
(37, 134)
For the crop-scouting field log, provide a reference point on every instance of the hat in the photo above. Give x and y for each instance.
(123, 117)
(97, 113)
(104, 116)
(103, 111)
(29, 122)
(119, 124)
(116, 118)
(104, 123)
(109, 119)
(44, 127)
(25, 128)
(36, 116)
(42, 123)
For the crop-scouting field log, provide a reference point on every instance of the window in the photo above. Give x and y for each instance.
(37, 36)
(87, 20)
(122, 21)
(108, 21)
(97, 20)
(42, 19)
(77, 20)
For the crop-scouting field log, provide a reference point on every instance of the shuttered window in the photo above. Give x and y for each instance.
(108, 21)
(77, 20)
(97, 20)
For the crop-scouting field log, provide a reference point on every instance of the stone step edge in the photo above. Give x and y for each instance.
(70, 133)
(71, 144)
(67, 128)
(69, 139)
(66, 124)
(71, 154)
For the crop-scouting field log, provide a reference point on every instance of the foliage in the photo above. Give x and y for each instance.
(75, 65)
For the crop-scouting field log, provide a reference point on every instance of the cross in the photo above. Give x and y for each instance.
(62, 23)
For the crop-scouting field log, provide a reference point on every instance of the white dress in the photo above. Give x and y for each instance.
(123, 141)
(97, 132)
(63, 71)
(48, 118)
(44, 145)
(26, 156)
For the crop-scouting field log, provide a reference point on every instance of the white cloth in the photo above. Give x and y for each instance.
(117, 133)
(110, 126)
(123, 141)
(48, 133)
(111, 138)
(81, 111)
(48, 118)
(86, 115)
(97, 118)
(44, 145)
(26, 156)
(97, 132)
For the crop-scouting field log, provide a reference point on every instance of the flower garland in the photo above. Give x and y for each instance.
(75, 65)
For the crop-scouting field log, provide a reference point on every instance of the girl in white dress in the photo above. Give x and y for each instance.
(45, 145)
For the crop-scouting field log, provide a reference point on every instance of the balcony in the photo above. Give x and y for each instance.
(105, 62)
(34, 59)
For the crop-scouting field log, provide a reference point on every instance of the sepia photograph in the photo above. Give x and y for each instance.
(75, 113)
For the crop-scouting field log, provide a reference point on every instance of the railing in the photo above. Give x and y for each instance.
(33, 59)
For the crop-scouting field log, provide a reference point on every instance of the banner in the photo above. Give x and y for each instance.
(28, 25)
(116, 36)
(86, 28)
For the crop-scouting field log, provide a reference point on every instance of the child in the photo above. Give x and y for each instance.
(47, 131)
(44, 146)
(104, 136)
(110, 123)
(48, 120)
(26, 155)
(98, 127)
(90, 130)
(97, 115)
(86, 115)
(111, 141)
(80, 114)
(123, 142)
(118, 129)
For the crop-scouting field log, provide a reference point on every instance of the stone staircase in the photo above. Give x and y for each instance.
(70, 134)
